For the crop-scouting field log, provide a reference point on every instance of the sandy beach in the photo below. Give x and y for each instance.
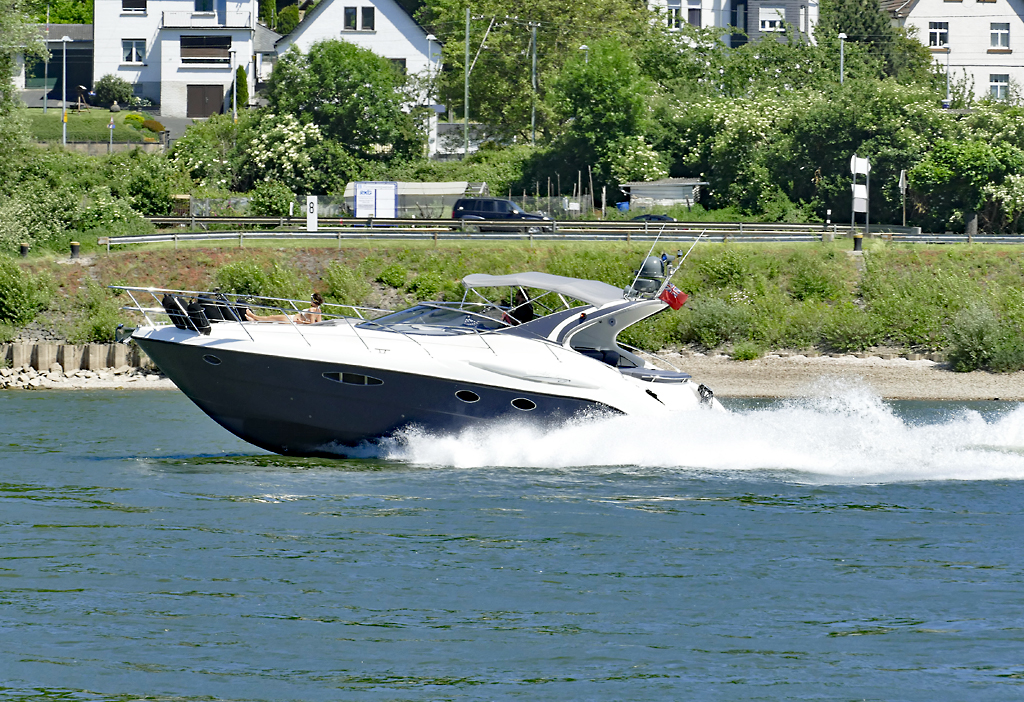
(798, 376)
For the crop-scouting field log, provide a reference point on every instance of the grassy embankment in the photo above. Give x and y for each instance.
(90, 125)
(746, 298)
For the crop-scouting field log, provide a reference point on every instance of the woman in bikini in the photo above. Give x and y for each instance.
(310, 316)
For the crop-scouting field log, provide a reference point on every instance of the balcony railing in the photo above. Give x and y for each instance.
(207, 20)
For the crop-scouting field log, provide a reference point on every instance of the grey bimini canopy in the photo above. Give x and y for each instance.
(592, 292)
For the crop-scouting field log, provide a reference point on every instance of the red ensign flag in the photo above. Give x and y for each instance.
(675, 297)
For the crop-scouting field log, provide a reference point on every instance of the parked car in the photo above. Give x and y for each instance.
(654, 218)
(492, 208)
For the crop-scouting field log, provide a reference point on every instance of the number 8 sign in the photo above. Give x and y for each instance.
(311, 213)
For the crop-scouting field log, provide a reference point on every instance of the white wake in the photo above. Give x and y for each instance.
(846, 435)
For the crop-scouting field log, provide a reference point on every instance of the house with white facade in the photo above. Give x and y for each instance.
(973, 37)
(382, 26)
(385, 28)
(756, 18)
(181, 54)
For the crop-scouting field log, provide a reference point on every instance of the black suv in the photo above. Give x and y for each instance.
(491, 208)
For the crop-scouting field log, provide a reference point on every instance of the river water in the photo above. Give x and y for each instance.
(825, 549)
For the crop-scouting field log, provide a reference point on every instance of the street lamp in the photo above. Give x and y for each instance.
(64, 90)
(842, 55)
(946, 104)
(586, 53)
(234, 87)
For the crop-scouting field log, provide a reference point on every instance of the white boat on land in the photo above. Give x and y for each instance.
(528, 346)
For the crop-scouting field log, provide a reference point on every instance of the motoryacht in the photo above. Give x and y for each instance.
(525, 347)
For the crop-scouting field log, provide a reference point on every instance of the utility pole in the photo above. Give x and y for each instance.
(46, 63)
(64, 97)
(842, 55)
(465, 104)
(533, 107)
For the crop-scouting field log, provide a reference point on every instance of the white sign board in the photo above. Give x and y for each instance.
(311, 213)
(376, 199)
(859, 165)
(860, 197)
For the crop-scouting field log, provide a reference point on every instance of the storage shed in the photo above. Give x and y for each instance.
(663, 193)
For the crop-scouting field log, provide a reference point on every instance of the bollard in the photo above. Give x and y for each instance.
(858, 242)
(75, 248)
(24, 250)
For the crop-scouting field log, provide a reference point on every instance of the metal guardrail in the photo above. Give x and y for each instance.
(572, 230)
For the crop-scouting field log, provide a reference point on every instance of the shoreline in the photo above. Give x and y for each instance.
(808, 376)
(773, 376)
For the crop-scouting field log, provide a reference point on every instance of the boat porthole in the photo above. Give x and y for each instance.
(212, 360)
(521, 403)
(467, 396)
(353, 379)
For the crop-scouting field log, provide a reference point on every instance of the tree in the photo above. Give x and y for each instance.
(501, 92)
(268, 12)
(952, 179)
(63, 11)
(864, 22)
(599, 100)
(17, 35)
(353, 95)
(242, 83)
(287, 19)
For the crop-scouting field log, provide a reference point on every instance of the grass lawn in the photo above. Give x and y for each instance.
(90, 125)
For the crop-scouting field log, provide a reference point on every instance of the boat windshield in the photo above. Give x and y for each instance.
(436, 319)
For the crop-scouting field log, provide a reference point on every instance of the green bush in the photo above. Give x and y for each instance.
(154, 126)
(21, 295)
(974, 335)
(727, 270)
(430, 285)
(849, 328)
(714, 321)
(134, 119)
(243, 278)
(251, 279)
(270, 199)
(100, 314)
(393, 276)
(111, 88)
(655, 333)
(344, 285)
(39, 215)
(747, 351)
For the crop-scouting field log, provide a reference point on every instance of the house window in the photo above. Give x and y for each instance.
(938, 34)
(204, 5)
(205, 49)
(350, 19)
(367, 18)
(772, 18)
(133, 50)
(399, 65)
(693, 13)
(1000, 35)
(133, 6)
(999, 85)
(675, 14)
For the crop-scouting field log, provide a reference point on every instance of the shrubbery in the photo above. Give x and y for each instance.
(21, 294)
(271, 199)
(111, 88)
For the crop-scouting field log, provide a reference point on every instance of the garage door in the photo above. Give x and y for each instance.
(204, 100)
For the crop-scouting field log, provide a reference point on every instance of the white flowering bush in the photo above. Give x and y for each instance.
(103, 210)
(280, 151)
(38, 217)
(204, 152)
(633, 159)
